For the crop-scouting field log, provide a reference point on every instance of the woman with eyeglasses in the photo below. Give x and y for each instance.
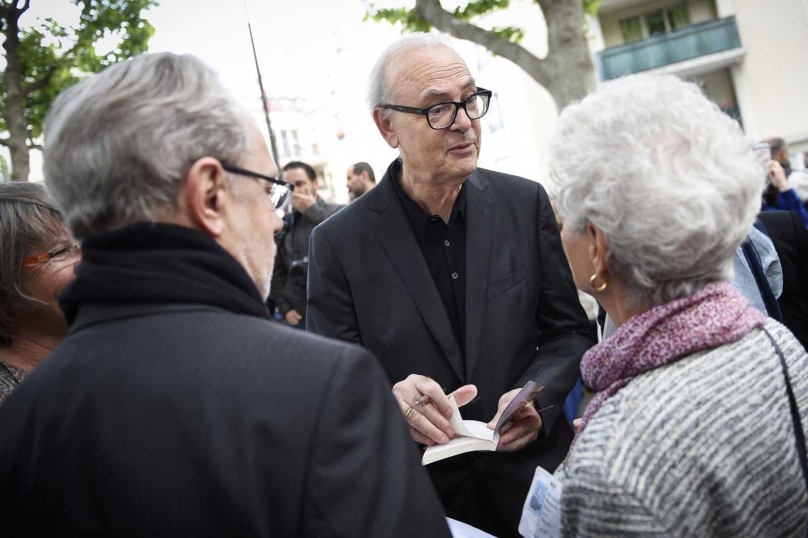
(38, 260)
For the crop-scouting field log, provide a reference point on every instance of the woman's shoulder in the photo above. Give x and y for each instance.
(677, 398)
(711, 420)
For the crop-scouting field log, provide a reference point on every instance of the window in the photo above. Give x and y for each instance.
(678, 17)
(656, 22)
(295, 144)
(285, 142)
(631, 29)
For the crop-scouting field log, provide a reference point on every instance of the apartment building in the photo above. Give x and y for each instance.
(750, 56)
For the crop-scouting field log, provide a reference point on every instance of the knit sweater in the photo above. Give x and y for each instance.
(700, 447)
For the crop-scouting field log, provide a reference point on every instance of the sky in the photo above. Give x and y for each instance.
(319, 51)
(296, 40)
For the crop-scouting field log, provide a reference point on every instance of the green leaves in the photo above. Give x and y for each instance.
(44, 73)
(412, 22)
(54, 57)
(478, 8)
(591, 7)
(120, 18)
(407, 17)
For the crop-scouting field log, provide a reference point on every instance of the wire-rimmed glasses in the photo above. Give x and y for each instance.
(442, 115)
(58, 254)
(281, 190)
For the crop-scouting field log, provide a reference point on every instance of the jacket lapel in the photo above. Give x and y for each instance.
(393, 230)
(479, 242)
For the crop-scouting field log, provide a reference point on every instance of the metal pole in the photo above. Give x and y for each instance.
(264, 100)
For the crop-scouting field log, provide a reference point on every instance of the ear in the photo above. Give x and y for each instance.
(208, 195)
(598, 248)
(385, 126)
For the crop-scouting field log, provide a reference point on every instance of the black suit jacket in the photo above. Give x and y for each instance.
(790, 239)
(188, 420)
(369, 283)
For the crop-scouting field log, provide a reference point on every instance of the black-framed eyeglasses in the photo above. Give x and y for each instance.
(442, 115)
(281, 190)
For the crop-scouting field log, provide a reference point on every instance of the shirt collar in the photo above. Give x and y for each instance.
(415, 214)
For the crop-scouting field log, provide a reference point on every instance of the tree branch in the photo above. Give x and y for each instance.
(433, 12)
(4, 142)
(38, 85)
(35, 146)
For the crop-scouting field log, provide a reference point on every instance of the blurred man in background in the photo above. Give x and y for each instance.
(360, 180)
(292, 259)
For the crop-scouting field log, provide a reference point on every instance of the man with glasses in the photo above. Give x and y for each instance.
(174, 407)
(455, 278)
(306, 210)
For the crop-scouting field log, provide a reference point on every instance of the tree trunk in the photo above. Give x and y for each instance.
(571, 75)
(15, 99)
(567, 72)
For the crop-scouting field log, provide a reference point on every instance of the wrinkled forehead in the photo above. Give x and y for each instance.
(417, 74)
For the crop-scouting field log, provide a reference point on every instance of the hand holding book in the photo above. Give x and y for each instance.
(516, 424)
(517, 421)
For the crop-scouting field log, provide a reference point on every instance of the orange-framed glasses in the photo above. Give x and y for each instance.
(56, 254)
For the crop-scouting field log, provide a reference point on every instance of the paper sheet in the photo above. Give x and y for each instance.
(462, 530)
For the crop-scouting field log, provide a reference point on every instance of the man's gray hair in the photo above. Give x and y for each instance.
(379, 90)
(29, 220)
(119, 144)
(671, 181)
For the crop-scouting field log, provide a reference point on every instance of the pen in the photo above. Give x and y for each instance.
(423, 400)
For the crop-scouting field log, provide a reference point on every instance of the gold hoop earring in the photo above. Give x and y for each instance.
(592, 283)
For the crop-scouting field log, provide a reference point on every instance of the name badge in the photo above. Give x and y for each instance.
(541, 514)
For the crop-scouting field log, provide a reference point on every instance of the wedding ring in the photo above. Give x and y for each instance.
(407, 415)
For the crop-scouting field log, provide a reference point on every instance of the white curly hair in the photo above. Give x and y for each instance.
(670, 180)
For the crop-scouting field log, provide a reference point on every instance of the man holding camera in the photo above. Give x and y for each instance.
(292, 258)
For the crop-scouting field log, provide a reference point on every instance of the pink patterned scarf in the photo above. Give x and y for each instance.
(714, 316)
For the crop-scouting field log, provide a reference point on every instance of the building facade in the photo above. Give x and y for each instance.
(750, 56)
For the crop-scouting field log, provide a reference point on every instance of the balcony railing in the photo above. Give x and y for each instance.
(665, 49)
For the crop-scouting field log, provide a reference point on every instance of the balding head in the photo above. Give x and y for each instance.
(379, 90)
(439, 146)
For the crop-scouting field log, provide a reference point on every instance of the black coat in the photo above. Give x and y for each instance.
(369, 283)
(186, 419)
(790, 240)
(292, 256)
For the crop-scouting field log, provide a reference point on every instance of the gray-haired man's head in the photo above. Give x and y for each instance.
(148, 140)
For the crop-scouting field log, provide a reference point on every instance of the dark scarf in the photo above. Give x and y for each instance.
(714, 316)
(160, 264)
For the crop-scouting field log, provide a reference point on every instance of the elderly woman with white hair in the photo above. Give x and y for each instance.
(696, 425)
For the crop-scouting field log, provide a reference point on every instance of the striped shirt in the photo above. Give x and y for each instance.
(701, 447)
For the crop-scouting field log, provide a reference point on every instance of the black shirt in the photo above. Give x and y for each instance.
(444, 250)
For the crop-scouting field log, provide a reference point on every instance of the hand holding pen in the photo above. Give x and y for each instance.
(426, 408)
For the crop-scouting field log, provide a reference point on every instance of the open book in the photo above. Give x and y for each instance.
(473, 435)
